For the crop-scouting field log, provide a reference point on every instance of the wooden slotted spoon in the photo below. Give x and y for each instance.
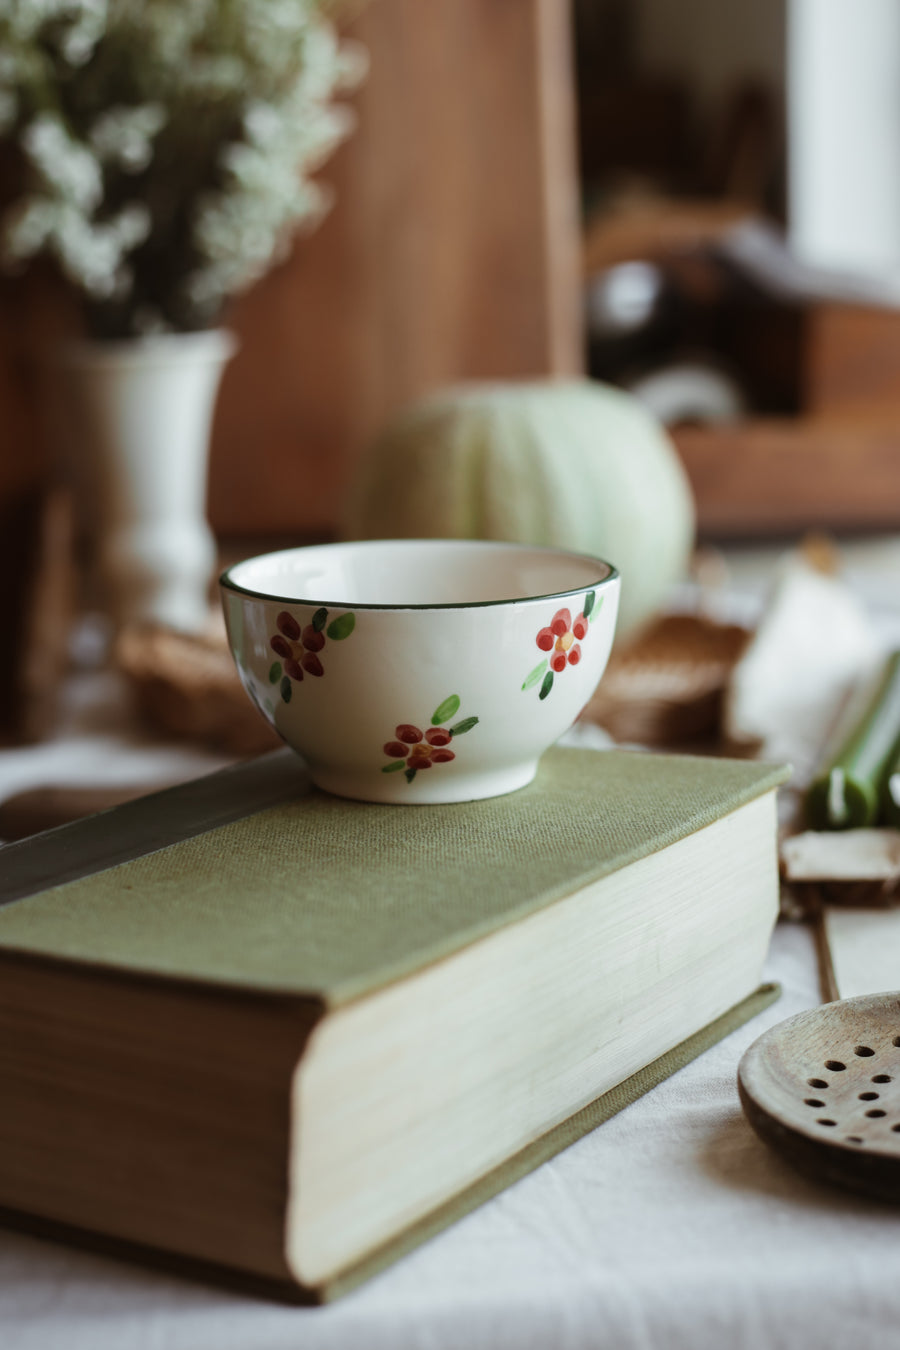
(823, 1089)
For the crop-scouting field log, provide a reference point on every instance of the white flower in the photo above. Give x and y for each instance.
(124, 135)
(353, 65)
(218, 112)
(80, 37)
(132, 225)
(73, 27)
(215, 76)
(92, 255)
(27, 227)
(65, 165)
(263, 123)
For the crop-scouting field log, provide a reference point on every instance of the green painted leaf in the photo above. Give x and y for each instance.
(341, 627)
(547, 685)
(274, 672)
(465, 725)
(589, 603)
(394, 767)
(286, 689)
(319, 619)
(447, 709)
(536, 674)
(410, 774)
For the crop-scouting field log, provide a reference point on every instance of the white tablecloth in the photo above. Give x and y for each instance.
(670, 1226)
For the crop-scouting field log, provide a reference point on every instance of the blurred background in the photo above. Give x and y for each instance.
(696, 203)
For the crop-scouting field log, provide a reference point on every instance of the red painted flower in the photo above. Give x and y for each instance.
(420, 751)
(560, 638)
(298, 647)
(561, 641)
(412, 749)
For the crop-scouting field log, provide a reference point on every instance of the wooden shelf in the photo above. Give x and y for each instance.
(777, 476)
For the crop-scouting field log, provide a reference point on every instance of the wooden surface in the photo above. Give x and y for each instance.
(32, 319)
(37, 553)
(776, 476)
(837, 464)
(21, 447)
(823, 1089)
(851, 360)
(44, 808)
(452, 252)
(656, 229)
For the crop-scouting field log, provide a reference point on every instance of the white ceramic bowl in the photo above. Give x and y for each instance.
(420, 670)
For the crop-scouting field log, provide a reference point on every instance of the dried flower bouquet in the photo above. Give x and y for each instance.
(159, 152)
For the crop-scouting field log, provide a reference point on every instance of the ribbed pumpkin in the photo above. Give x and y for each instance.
(573, 464)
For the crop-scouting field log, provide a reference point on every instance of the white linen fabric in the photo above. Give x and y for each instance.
(669, 1226)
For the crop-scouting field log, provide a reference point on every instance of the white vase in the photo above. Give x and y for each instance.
(141, 419)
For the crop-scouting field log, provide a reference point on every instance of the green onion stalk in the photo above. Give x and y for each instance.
(859, 785)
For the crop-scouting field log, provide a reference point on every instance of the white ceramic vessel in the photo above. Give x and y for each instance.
(421, 671)
(143, 410)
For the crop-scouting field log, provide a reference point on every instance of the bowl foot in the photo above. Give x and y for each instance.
(426, 788)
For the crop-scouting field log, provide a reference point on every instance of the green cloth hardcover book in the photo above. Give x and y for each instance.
(278, 1033)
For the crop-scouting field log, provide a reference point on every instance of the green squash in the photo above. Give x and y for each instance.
(569, 464)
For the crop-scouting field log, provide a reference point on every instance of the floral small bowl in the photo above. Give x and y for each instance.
(420, 670)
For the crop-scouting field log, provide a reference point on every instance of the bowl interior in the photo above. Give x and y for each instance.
(409, 573)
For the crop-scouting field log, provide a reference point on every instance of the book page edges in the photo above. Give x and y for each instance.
(546, 1146)
(194, 1082)
(286, 1289)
